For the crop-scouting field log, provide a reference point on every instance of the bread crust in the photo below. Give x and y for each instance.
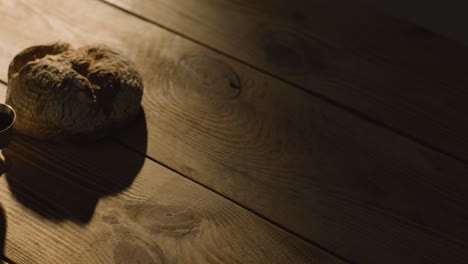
(63, 94)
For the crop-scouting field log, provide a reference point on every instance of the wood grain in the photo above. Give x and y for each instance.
(395, 73)
(162, 218)
(352, 187)
(76, 206)
(2, 93)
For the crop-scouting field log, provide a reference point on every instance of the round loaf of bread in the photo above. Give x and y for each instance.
(63, 94)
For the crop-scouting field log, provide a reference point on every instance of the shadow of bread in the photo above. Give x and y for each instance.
(62, 182)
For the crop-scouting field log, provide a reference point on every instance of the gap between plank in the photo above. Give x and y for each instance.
(309, 92)
(7, 260)
(236, 203)
(317, 95)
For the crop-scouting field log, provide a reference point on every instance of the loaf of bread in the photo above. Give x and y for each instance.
(63, 94)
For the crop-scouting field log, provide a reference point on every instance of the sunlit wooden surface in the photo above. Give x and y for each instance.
(249, 148)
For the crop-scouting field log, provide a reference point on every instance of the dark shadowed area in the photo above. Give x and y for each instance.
(63, 182)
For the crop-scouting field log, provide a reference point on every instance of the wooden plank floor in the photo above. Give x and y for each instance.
(349, 53)
(61, 206)
(277, 175)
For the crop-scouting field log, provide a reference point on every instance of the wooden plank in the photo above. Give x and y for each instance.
(446, 18)
(352, 187)
(2, 93)
(162, 218)
(106, 204)
(390, 71)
